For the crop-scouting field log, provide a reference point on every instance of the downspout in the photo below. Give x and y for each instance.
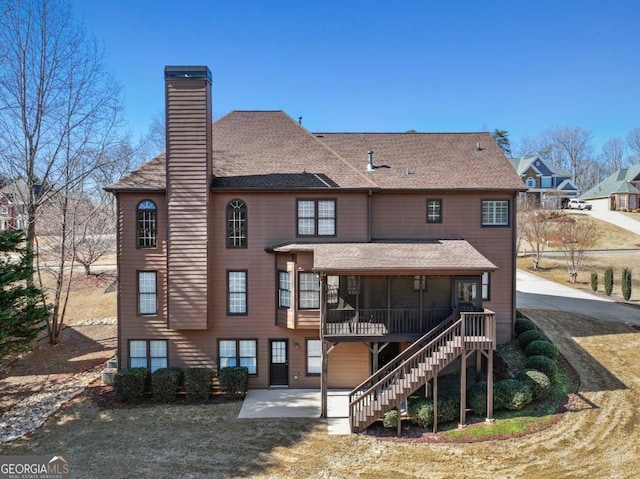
(325, 360)
(514, 230)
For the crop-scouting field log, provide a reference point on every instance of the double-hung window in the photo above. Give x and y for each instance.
(147, 224)
(314, 357)
(284, 289)
(238, 352)
(147, 293)
(237, 292)
(316, 217)
(309, 295)
(486, 286)
(148, 353)
(434, 211)
(495, 213)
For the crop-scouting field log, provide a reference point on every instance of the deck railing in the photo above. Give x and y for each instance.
(384, 389)
(382, 321)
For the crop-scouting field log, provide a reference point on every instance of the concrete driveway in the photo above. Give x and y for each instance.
(615, 218)
(534, 292)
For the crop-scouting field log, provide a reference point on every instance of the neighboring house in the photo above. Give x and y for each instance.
(7, 213)
(17, 193)
(314, 259)
(547, 186)
(619, 192)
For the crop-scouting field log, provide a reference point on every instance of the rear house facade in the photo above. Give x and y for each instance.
(316, 260)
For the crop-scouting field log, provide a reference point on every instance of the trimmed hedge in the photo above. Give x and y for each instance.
(538, 382)
(524, 324)
(477, 398)
(626, 284)
(165, 383)
(529, 336)
(421, 410)
(130, 384)
(390, 419)
(543, 364)
(511, 394)
(542, 348)
(594, 281)
(197, 383)
(234, 381)
(608, 280)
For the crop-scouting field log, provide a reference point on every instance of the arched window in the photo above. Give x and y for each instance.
(531, 182)
(147, 224)
(236, 224)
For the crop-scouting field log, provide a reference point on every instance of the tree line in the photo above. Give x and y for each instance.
(571, 149)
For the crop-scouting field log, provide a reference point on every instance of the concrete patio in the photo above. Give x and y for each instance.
(284, 402)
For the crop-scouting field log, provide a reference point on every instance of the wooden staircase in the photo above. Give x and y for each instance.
(422, 361)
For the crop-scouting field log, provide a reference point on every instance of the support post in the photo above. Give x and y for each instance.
(323, 342)
(374, 353)
(463, 390)
(490, 386)
(435, 400)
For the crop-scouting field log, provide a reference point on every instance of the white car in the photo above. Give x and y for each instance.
(575, 204)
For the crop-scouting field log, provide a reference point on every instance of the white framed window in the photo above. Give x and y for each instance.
(495, 213)
(314, 357)
(434, 211)
(4, 210)
(316, 218)
(147, 224)
(147, 293)
(148, 353)
(632, 202)
(237, 292)
(236, 224)
(531, 182)
(419, 283)
(486, 283)
(545, 182)
(238, 352)
(284, 289)
(623, 201)
(309, 295)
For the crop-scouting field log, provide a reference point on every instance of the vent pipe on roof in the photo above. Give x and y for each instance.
(478, 147)
(370, 166)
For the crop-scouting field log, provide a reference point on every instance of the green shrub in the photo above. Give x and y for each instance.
(529, 336)
(197, 383)
(542, 348)
(234, 381)
(608, 280)
(511, 394)
(130, 384)
(477, 398)
(626, 284)
(524, 324)
(421, 412)
(594, 281)
(390, 419)
(543, 364)
(538, 382)
(165, 383)
(449, 408)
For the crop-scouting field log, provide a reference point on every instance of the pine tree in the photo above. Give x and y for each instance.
(22, 312)
(608, 280)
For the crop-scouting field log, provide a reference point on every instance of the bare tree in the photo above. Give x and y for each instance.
(613, 155)
(578, 234)
(633, 142)
(534, 228)
(59, 111)
(95, 233)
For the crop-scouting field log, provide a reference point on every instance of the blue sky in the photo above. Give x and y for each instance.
(356, 65)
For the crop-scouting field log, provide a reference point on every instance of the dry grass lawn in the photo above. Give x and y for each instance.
(599, 436)
(553, 267)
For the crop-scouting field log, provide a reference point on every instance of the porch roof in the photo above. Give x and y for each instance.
(370, 258)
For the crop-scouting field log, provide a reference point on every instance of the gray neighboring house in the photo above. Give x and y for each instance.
(619, 192)
(547, 185)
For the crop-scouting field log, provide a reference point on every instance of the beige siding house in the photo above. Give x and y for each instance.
(316, 260)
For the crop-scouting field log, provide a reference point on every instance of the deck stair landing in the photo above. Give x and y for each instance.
(415, 366)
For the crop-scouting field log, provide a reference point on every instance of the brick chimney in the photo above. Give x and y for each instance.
(188, 135)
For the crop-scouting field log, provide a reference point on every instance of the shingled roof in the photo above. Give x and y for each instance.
(269, 150)
(618, 182)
